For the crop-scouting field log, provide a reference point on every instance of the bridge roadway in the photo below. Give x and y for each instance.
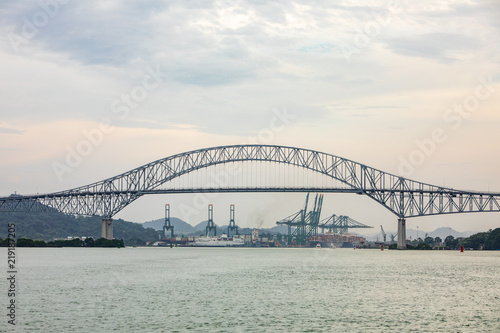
(403, 197)
(444, 201)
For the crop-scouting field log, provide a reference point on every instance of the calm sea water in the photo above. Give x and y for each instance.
(256, 290)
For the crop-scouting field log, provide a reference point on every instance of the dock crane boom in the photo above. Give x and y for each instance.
(383, 233)
(393, 236)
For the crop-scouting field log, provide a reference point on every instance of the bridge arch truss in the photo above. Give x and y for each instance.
(403, 197)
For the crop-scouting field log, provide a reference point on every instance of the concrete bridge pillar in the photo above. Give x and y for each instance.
(401, 234)
(107, 228)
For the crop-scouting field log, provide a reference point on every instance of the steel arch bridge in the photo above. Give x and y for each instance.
(403, 197)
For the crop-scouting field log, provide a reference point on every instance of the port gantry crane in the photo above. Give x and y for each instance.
(340, 224)
(168, 225)
(312, 220)
(303, 224)
(232, 225)
(210, 223)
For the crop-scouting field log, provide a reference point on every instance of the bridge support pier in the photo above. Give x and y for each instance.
(107, 228)
(401, 234)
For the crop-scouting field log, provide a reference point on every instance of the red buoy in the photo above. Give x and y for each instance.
(461, 248)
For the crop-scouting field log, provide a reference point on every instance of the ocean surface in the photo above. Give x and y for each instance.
(254, 290)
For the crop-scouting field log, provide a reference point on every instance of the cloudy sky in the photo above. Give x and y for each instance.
(409, 88)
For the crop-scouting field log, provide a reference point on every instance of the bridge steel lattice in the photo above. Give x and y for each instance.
(403, 197)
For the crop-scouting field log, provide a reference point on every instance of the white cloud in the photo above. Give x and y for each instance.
(7, 130)
(444, 47)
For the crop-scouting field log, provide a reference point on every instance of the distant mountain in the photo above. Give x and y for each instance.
(279, 229)
(201, 227)
(376, 235)
(186, 229)
(248, 231)
(183, 228)
(444, 232)
(180, 227)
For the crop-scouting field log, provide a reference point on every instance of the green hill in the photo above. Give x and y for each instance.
(49, 226)
(180, 227)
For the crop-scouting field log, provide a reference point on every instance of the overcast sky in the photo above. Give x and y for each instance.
(411, 88)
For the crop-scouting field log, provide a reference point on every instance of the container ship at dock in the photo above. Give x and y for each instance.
(330, 240)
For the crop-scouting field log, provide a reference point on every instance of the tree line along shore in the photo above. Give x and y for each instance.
(76, 242)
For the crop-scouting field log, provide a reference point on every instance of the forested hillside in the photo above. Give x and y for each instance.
(49, 226)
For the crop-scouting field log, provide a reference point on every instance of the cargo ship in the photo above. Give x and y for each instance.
(336, 240)
(223, 241)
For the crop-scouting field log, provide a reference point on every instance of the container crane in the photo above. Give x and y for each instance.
(168, 227)
(304, 223)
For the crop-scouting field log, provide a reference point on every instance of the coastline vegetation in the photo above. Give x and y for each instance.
(489, 240)
(76, 242)
(49, 226)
